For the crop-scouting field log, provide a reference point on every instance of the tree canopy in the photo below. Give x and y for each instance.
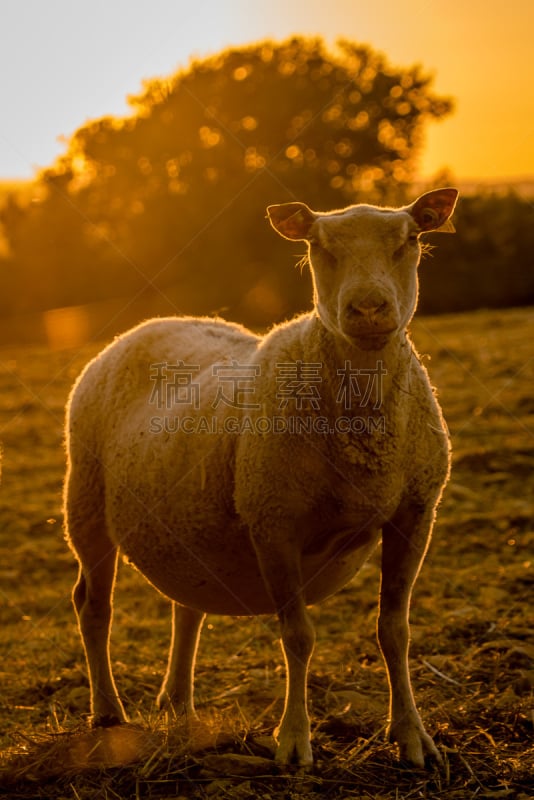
(171, 199)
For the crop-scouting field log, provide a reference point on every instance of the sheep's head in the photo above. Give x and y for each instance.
(364, 261)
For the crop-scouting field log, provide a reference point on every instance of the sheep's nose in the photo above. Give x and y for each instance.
(368, 307)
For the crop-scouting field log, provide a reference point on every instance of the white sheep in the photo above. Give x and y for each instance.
(248, 475)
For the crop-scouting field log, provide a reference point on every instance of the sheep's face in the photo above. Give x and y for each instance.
(364, 262)
(364, 266)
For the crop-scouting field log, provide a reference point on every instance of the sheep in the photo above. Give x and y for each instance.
(245, 474)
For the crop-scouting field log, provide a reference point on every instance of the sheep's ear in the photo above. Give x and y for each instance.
(432, 210)
(291, 220)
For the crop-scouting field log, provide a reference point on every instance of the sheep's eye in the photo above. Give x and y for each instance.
(412, 240)
(322, 253)
(399, 252)
(315, 242)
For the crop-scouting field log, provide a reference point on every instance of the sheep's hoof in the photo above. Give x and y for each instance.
(106, 720)
(418, 750)
(294, 751)
(178, 708)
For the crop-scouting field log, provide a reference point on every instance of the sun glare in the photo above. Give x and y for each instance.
(66, 327)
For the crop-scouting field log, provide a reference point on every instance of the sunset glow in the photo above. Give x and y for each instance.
(480, 54)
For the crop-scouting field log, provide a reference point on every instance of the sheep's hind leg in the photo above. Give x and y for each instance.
(404, 545)
(92, 599)
(177, 690)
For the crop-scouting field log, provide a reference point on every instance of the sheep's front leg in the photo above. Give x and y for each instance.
(404, 544)
(177, 689)
(281, 571)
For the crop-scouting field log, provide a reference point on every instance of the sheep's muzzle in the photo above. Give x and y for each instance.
(369, 321)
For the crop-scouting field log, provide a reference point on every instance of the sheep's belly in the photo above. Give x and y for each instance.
(217, 574)
(334, 559)
(225, 578)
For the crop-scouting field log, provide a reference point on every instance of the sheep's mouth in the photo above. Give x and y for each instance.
(371, 340)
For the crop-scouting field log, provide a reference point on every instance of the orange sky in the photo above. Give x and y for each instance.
(482, 54)
(65, 65)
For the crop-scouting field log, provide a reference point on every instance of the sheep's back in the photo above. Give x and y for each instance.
(123, 377)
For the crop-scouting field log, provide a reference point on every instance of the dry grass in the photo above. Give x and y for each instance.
(472, 646)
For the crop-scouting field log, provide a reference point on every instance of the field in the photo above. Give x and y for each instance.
(472, 646)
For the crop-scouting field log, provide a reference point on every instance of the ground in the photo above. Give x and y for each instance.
(472, 645)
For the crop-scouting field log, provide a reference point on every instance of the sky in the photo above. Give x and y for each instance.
(63, 62)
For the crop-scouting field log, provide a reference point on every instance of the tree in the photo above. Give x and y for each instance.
(171, 199)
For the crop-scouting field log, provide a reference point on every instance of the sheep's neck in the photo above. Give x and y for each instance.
(347, 368)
